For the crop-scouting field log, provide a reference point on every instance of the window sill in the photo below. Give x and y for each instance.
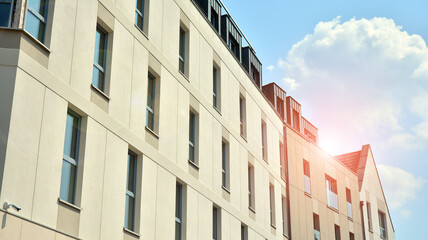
(152, 132)
(193, 164)
(184, 75)
(333, 209)
(137, 235)
(218, 110)
(285, 235)
(244, 137)
(42, 45)
(350, 219)
(62, 202)
(252, 209)
(273, 226)
(107, 98)
(308, 194)
(141, 30)
(225, 189)
(371, 230)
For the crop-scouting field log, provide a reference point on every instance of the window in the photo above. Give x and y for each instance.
(331, 186)
(234, 46)
(307, 176)
(131, 191)
(216, 223)
(244, 232)
(351, 236)
(225, 164)
(214, 19)
(336, 232)
(264, 141)
(35, 20)
(182, 51)
(272, 204)
(296, 120)
(70, 157)
(251, 198)
(192, 138)
(150, 109)
(284, 216)
(349, 202)
(382, 225)
(6, 7)
(139, 14)
(178, 211)
(216, 88)
(242, 116)
(255, 75)
(280, 107)
(98, 75)
(282, 160)
(369, 217)
(317, 232)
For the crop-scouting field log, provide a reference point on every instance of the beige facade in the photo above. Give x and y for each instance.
(42, 81)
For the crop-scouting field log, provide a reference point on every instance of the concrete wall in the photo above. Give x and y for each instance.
(33, 126)
(371, 191)
(303, 205)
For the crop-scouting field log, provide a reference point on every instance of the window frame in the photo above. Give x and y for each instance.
(216, 88)
(69, 159)
(251, 189)
(307, 174)
(178, 210)
(216, 223)
(151, 109)
(382, 225)
(192, 137)
(317, 226)
(131, 194)
(100, 68)
(284, 205)
(272, 204)
(369, 217)
(337, 232)
(225, 164)
(264, 140)
(11, 3)
(36, 14)
(140, 13)
(349, 202)
(243, 116)
(182, 51)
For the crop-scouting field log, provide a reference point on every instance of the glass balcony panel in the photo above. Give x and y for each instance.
(349, 209)
(307, 184)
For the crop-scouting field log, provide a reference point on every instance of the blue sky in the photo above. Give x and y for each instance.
(360, 71)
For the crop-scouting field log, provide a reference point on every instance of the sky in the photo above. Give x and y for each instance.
(360, 71)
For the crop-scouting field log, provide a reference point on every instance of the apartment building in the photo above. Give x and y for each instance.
(148, 119)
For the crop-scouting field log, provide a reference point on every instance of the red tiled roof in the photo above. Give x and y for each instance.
(351, 160)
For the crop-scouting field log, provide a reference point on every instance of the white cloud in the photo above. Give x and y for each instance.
(360, 80)
(400, 186)
(290, 83)
(405, 213)
(270, 67)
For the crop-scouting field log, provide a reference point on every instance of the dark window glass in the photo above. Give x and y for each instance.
(99, 58)
(192, 145)
(5, 13)
(151, 81)
(139, 14)
(130, 191)
(178, 211)
(35, 20)
(182, 50)
(70, 157)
